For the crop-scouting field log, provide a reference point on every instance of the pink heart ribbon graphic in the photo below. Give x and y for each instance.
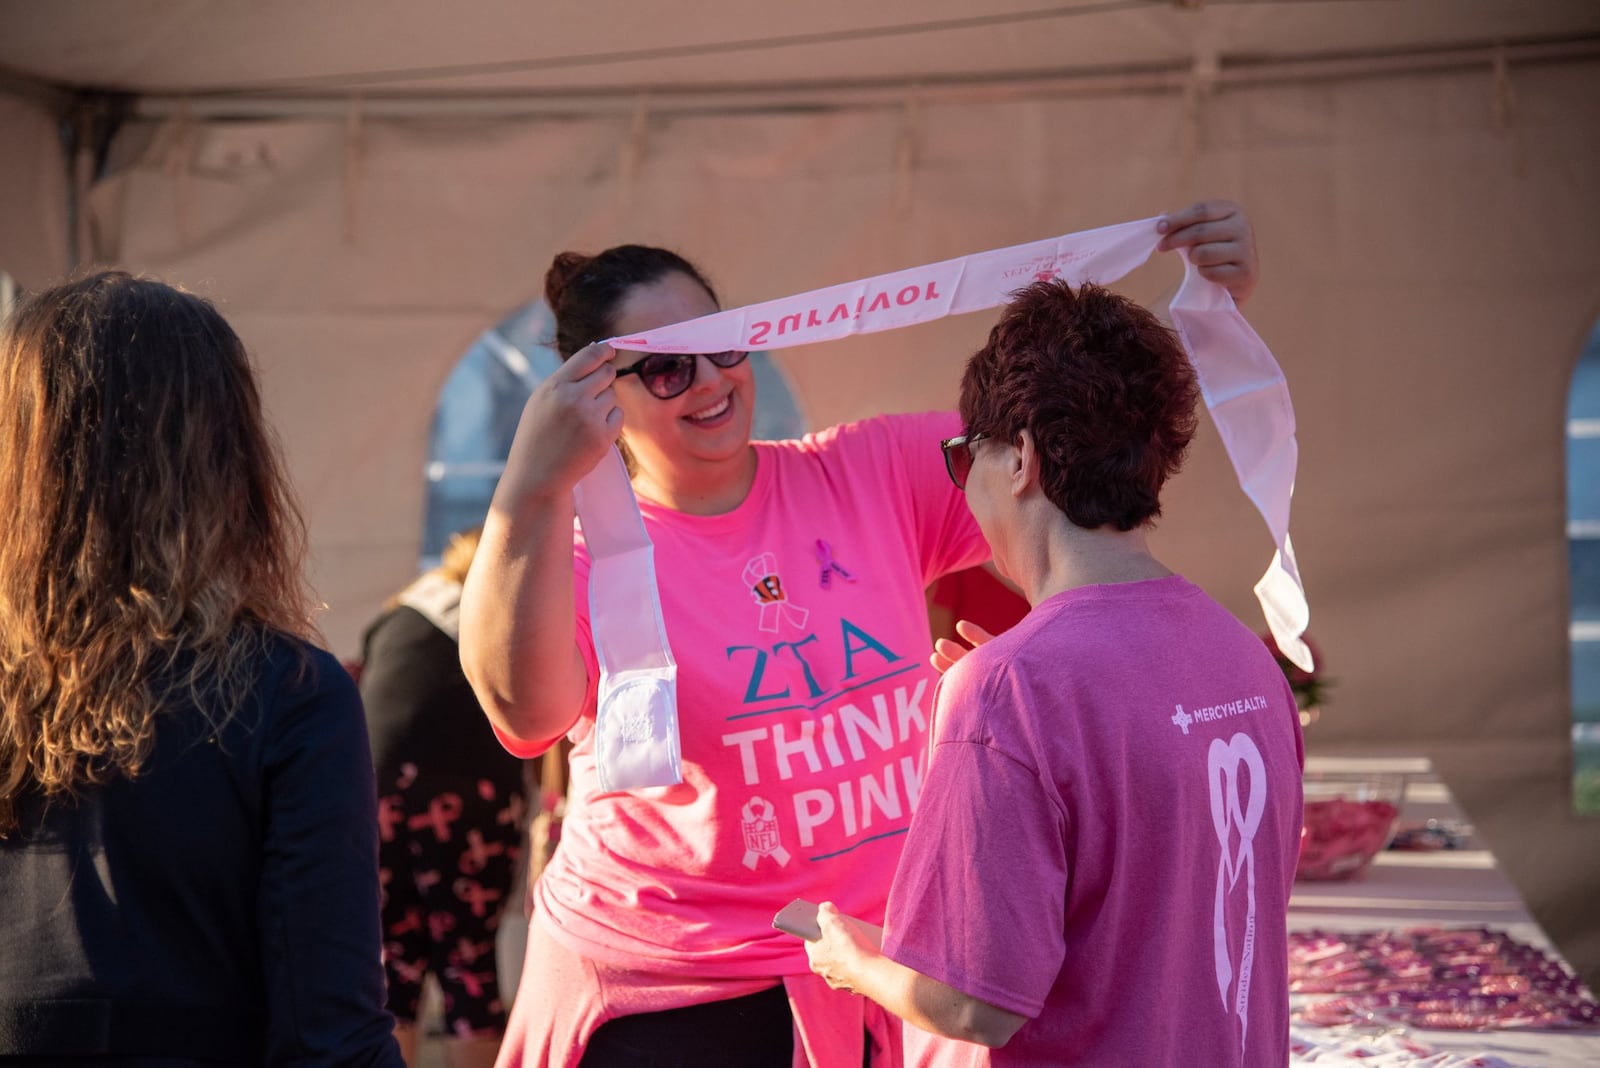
(1230, 814)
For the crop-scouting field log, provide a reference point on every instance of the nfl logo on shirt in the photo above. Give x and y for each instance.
(761, 833)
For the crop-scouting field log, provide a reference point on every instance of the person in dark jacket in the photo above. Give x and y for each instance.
(188, 819)
(451, 810)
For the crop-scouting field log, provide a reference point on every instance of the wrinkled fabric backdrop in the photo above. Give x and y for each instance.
(1431, 252)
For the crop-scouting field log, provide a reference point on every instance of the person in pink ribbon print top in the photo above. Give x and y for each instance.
(792, 578)
(1099, 869)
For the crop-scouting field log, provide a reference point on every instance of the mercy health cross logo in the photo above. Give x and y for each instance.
(1239, 706)
(761, 833)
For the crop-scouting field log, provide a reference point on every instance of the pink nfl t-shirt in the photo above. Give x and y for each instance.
(1107, 837)
(804, 696)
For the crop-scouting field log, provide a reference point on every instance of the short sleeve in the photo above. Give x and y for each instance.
(318, 903)
(946, 534)
(979, 899)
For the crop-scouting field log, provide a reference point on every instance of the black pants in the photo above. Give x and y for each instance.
(755, 1031)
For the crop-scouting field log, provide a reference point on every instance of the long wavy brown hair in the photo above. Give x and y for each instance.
(149, 542)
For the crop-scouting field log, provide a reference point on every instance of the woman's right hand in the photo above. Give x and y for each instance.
(947, 652)
(569, 422)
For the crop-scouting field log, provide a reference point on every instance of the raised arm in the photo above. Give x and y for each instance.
(518, 630)
(1220, 241)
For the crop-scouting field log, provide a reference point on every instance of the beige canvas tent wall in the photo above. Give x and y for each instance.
(365, 189)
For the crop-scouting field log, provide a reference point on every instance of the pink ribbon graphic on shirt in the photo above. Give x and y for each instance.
(1230, 814)
(761, 575)
(761, 833)
(442, 812)
(830, 566)
(478, 853)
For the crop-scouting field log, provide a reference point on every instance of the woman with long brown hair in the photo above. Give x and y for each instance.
(188, 828)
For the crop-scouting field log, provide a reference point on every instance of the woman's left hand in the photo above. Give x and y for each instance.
(845, 943)
(1220, 241)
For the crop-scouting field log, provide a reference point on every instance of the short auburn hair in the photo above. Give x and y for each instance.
(1105, 390)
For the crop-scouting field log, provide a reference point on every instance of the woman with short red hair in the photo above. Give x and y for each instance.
(1099, 869)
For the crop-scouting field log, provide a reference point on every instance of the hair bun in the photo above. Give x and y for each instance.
(563, 269)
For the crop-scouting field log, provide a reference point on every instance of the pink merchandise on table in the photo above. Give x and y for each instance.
(1388, 1050)
(1438, 978)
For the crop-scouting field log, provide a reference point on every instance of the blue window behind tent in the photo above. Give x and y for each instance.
(777, 415)
(1583, 544)
(483, 398)
(476, 419)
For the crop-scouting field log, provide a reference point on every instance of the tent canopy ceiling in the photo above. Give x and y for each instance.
(200, 47)
(1423, 213)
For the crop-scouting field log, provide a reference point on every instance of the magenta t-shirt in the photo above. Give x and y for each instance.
(804, 696)
(1107, 836)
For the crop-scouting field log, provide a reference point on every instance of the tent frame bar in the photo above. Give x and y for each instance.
(1214, 72)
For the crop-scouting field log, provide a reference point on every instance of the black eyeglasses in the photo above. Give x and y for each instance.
(667, 375)
(958, 457)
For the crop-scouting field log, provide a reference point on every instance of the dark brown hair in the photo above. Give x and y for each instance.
(584, 292)
(150, 542)
(1104, 389)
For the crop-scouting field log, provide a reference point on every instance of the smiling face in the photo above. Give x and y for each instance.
(704, 433)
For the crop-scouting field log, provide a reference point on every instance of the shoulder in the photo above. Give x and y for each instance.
(975, 693)
(401, 627)
(293, 691)
(296, 672)
(994, 693)
(888, 450)
(913, 429)
(389, 622)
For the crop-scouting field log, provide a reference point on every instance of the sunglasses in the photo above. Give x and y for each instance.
(667, 375)
(958, 457)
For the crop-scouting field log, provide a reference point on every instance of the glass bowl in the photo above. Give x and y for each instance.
(1349, 819)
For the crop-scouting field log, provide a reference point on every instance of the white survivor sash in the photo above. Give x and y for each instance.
(636, 722)
(1244, 390)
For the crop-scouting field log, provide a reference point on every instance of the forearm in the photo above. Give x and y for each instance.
(518, 628)
(933, 1006)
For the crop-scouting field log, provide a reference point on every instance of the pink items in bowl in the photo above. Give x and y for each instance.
(1349, 819)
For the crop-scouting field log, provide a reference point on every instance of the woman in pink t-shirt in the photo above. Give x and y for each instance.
(792, 578)
(1099, 872)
